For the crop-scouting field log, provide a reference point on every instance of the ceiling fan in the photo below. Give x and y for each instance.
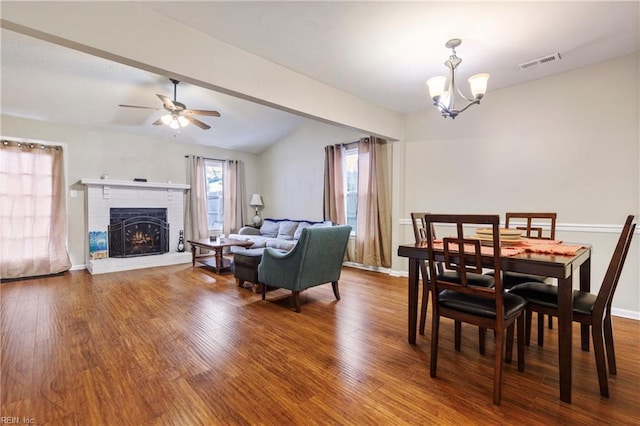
(178, 115)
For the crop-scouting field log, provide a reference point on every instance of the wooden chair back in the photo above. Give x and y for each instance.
(611, 277)
(534, 224)
(420, 233)
(472, 261)
(419, 229)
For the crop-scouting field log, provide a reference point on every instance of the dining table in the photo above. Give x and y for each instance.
(559, 265)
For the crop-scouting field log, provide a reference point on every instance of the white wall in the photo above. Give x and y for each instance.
(567, 143)
(292, 171)
(91, 152)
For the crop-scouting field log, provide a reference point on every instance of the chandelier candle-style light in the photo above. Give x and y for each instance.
(444, 97)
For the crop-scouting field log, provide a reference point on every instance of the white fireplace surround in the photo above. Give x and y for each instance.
(103, 194)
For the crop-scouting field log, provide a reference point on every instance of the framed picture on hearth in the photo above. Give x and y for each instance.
(98, 245)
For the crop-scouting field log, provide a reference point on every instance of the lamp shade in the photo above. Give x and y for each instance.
(478, 85)
(256, 201)
(436, 86)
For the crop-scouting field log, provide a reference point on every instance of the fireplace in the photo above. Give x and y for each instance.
(138, 232)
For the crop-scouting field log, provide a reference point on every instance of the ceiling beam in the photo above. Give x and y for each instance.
(126, 33)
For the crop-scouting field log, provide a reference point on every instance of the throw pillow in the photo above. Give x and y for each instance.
(301, 226)
(269, 228)
(286, 230)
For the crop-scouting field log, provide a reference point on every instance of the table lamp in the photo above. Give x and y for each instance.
(256, 201)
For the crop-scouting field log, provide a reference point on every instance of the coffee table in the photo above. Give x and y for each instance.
(217, 262)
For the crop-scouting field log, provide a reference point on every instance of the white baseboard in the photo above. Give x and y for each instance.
(368, 268)
(625, 313)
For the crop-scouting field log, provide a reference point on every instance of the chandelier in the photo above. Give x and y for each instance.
(444, 97)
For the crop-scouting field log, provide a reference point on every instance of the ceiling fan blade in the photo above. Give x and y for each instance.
(168, 103)
(158, 122)
(136, 106)
(198, 123)
(202, 112)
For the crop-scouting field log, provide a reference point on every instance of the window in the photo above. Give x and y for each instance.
(32, 215)
(350, 170)
(215, 202)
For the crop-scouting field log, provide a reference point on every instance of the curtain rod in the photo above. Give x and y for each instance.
(32, 145)
(214, 159)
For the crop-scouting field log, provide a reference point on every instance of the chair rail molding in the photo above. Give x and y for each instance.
(566, 227)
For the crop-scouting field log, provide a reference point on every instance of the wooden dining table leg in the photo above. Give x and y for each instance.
(565, 335)
(413, 299)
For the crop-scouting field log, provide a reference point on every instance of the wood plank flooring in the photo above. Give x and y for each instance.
(182, 346)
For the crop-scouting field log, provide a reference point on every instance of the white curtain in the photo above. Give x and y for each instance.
(33, 216)
(196, 226)
(234, 196)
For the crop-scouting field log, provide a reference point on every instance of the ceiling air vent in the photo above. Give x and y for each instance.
(540, 61)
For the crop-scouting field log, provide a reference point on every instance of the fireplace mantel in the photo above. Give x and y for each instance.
(108, 182)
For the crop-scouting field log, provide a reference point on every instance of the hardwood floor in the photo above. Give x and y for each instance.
(182, 346)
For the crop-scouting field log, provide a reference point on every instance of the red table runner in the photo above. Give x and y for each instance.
(515, 248)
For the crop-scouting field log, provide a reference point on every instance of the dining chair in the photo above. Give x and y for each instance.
(420, 234)
(538, 226)
(588, 308)
(532, 230)
(486, 307)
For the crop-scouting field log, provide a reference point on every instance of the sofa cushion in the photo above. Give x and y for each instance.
(269, 228)
(286, 230)
(324, 224)
(301, 226)
(284, 245)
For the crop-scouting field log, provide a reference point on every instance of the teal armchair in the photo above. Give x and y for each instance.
(316, 259)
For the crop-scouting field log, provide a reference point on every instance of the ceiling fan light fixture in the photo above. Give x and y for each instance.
(166, 119)
(174, 120)
(177, 114)
(183, 121)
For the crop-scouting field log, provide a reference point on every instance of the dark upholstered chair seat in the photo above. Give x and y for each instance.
(478, 280)
(482, 306)
(547, 295)
(510, 279)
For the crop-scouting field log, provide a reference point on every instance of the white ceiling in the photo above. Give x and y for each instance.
(379, 51)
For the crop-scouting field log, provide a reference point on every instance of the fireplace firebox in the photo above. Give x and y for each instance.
(138, 232)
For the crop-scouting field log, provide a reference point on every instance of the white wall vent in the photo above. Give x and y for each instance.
(540, 61)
